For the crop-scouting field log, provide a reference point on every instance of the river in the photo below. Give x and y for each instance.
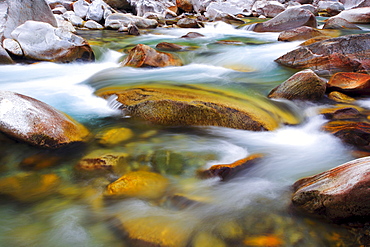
(250, 210)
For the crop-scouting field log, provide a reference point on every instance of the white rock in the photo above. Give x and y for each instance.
(59, 10)
(80, 8)
(95, 11)
(90, 24)
(41, 41)
(76, 20)
(16, 12)
(117, 20)
(13, 47)
(66, 25)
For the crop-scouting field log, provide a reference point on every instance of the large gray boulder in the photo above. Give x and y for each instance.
(16, 12)
(290, 18)
(41, 41)
(350, 4)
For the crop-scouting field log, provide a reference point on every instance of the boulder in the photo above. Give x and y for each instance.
(4, 57)
(12, 47)
(304, 85)
(116, 20)
(270, 9)
(348, 53)
(192, 35)
(339, 23)
(139, 184)
(174, 105)
(16, 12)
(145, 56)
(34, 122)
(216, 9)
(351, 4)
(80, 8)
(340, 97)
(331, 7)
(290, 18)
(350, 83)
(188, 23)
(339, 194)
(51, 44)
(299, 33)
(90, 24)
(140, 7)
(184, 5)
(165, 46)
(358, 15)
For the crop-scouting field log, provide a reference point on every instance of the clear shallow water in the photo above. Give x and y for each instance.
(233, 213)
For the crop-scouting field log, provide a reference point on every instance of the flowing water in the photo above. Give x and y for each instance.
(249, 210)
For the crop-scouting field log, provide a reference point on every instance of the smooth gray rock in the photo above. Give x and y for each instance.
(16, 12)
(80, 8)
(358, 15)
(90, 24)
(13, 47)
(95, 11)
(117, 20)
(41, 41)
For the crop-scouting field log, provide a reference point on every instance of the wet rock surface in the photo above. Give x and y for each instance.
(189, 106)
(34, 122)
(343, 54)
(338, 194)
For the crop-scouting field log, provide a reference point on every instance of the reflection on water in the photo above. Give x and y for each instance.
(250, 210)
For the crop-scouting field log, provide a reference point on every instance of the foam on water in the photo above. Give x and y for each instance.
(59, 85)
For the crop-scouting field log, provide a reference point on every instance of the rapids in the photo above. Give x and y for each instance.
(232, 213)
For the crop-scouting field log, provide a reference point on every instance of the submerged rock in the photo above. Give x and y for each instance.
(145, 56)
(29, 187)
(288, 19)
(34, 122)
(304, 85)
(227, 171)
(350, 83)
(341, 193)
(51, 44)
(161, 231)
(165, 46)
(348, 53)
(114, 136)
(140, 184)
(173, 105)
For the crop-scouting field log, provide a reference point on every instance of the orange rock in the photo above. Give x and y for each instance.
(184, 5)
(300, 33)
(350, 83)
(141, 184)
(265, 241)
(145, 56)
(226, 171)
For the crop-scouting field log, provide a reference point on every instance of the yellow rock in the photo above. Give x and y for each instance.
(114, 136)
(141, 184)
(104, 160)
(161, 231)
(191, 105)
(204, 239)
(27, 187)
(230, 230)
(340, 97)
